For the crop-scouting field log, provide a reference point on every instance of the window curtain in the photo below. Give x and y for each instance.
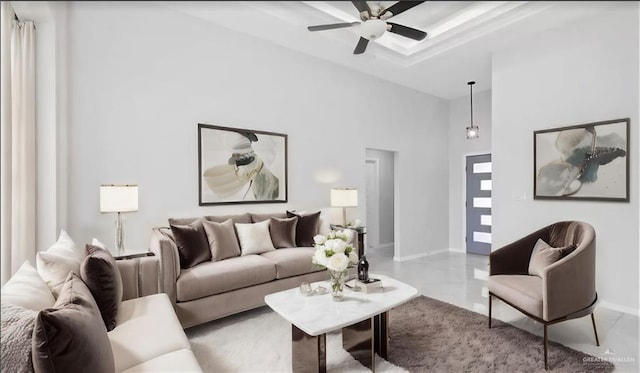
(17, 143)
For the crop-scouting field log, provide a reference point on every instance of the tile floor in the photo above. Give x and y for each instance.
(460, 279)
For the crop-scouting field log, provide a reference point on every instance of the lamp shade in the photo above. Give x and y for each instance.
(118, 198)
(344, 197)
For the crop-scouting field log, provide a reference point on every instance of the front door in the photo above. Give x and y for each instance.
(478, 204)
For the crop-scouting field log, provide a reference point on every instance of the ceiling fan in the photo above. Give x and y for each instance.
(374, 23)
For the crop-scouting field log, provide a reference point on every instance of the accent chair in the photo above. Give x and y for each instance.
(560, 288)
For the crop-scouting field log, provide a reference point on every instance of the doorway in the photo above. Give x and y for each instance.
(380, 202)
(478, 204)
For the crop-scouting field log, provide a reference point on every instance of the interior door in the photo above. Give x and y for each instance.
(478, 204)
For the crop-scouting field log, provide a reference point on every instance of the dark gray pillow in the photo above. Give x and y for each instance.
(102, 276)
(307, 227)
(222, 239)
(283, 232)
(192, 243)
(71, 337)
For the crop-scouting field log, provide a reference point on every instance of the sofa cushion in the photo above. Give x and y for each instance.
(223, 242)
(102, 276)
(71, 336)
(192, 244)
(240, 218)
(54, 264)
(15, 334)
(283, 232)
(522, 291)
(226, 275)
(292, 261)
(307, 227)
(27, 289)
(177, 361)
(256, 218)
(254, 238)
(146, 328)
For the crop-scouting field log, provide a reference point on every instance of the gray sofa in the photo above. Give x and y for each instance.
(215, 289)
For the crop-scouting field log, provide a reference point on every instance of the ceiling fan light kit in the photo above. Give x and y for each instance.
(374, 23)
(373, 29)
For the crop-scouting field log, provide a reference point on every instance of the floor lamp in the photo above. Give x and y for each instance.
(119, 198)
(344, 197)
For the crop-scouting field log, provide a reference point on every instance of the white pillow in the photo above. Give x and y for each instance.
(27, 289)
(55, 264)
(254, 238)
(96, 242)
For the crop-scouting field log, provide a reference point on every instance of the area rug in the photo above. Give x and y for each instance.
(426, 335)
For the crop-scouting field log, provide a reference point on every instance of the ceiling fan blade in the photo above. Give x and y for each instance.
(362, 6)
(408, 32)
(400, 7)
(332, 26)
(362, 46)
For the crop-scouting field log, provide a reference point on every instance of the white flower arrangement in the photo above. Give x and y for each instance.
(333, 252)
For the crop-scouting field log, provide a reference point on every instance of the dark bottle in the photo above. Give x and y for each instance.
(363, 269)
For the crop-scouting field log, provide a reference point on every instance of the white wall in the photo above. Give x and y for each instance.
(459, 149)
(141, 77)
(385, 195)
(584, 72)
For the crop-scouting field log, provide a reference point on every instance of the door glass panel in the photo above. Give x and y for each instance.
(482, 202)
(485, 219)
(485, 184)
(482, 168)
(483, 237)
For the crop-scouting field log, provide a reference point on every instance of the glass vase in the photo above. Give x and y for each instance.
(337, 279)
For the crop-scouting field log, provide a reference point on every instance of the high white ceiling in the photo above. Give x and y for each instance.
(462, 35)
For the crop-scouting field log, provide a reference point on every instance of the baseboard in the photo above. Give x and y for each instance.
(618, 307)
(417, 256)
(382, 246)
(457, 250)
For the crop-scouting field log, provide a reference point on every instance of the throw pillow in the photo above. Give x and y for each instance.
(15, 335)
(71, 337)
(54, 264)
(222, 239)
(27, 289)
(192, 244)
(307, 227)
(257, 218)
(544, 255)
(96, 242)
(283, 232)
(254, 238)
(100, 273)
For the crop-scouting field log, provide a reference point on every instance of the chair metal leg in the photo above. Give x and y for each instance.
(546, 366)
(490, 311)
(593, 321)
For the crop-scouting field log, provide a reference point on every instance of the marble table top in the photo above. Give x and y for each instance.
(318, 313)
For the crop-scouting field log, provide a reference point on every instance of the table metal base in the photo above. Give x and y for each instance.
(362, 340)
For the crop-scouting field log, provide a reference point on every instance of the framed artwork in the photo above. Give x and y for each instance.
(583, 162)
(241, 166)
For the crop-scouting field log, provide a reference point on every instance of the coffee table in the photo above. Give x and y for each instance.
(363, 318)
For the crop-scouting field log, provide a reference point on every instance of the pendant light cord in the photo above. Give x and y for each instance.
(471, 99)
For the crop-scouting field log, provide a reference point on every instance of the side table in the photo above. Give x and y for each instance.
(140, 273)
(361, 230)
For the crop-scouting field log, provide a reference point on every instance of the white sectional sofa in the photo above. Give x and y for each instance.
(147, 337)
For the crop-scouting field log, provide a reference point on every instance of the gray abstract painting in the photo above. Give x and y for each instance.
(241, 166)
(588, 161)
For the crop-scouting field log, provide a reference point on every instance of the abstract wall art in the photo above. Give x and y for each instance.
(583, 162)
(241, 166)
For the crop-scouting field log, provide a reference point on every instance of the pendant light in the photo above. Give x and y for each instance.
(472, 131)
